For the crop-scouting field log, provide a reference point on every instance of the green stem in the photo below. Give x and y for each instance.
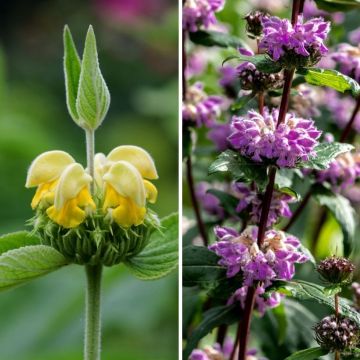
(92, 313)
(90, 154)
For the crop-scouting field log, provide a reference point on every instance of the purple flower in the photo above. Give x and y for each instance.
(348, 58)
(354, 36)
(250, 201)
(210, 203)
(342, 173)
(229, 76)
(196, 64)
(261, 304)
(200, 13)
(259, 138)
(219, 134)
(304, 38)
(240, 252)
(199, 108)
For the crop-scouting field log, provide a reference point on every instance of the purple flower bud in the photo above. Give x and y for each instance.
(254, 23)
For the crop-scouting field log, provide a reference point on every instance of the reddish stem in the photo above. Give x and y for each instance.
(261, 101)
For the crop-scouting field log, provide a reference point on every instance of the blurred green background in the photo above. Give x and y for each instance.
(137, 43)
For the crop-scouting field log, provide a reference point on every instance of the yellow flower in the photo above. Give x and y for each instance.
(72, 197)
(44, 173)
(125, 189)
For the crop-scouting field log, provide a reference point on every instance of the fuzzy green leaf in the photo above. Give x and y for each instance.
(338, 5)
(215, 38)
(343, 213)
(308, 354)
(26, 263)
(160, 256)
(200, 266)
(330, 78)
(16, 240)
(93, 98)
(240, 168)
(262, 62)
(325, 153)
(72, 68)
(212, 318)
(241, 102)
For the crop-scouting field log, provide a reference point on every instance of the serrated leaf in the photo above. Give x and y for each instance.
(227, 201)
(330, 78)
(262, 62)
(240, 168)
(212, 318)
(93, 98)
(200, 266)
(72, 68)
(215, 38)
(303, 290)
(160, 256)
(337, 5)
(343, 213)
(325, 153)
(16, 240)
(308, 354)
(26, 263)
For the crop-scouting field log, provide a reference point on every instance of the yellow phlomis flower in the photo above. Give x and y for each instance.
(123, 183)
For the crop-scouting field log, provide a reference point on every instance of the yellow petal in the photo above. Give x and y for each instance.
(101, 166)
(151, 192)
(47, 167)
(128, 213)
(72, 181)
(138, 157)
(69, 216)
(44, 191)
(127, 181)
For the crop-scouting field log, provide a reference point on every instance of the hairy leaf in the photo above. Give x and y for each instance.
(308, 354)
(241, 102)
(337, 5)
(262, 62)
(16, 240)
(26, 263)
(160, 256)
(215, 38)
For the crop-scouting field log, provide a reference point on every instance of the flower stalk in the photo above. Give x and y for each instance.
(90, 155)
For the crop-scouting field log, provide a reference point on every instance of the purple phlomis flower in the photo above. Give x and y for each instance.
(219, 134)
(199, 108)
(275, 260)
(304, 38)
(259, 138)
(348, 57)
(200, 13)
(251, 201)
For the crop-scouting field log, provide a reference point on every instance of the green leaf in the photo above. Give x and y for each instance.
(200, 266)
(160, 256)
(332, 290)
(303, 290)
(16, 240)
(26, 263)
(280, 315)
(330, 78)
(212, 318)
(325, 153)
(291, 192)
(72, 68)
(308, 354)
(343, 213)
(93, 97)
(240, 168)
(215, 38)
(227, 201)
(240, 103)
(337, 5)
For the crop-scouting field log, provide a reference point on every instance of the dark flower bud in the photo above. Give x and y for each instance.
(336, 270)
(253, 23)
(337, 333)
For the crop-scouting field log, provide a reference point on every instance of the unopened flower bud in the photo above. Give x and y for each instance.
(253, 23)
(336, 270)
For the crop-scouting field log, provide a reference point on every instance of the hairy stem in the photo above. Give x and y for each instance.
(90, 154)
(92, 313)
(337, 355)
(349, 125)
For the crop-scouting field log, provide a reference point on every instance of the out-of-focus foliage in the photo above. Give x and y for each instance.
(137, 44)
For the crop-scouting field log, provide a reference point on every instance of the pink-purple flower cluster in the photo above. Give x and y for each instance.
(274, 261)
(218, 134)
(209, 202)
(260, 138)
(342, 173)
(200, 13)
(251, 201)
(199, 108)
(306, 39)
(348, 58)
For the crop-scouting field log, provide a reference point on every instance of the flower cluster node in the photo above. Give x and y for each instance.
(200, 13)
(337, 333)
(199, 108)
(260, 138)
(105, 226)
(254, 26)
(301, 45)
(336, 270)
(251, 200)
